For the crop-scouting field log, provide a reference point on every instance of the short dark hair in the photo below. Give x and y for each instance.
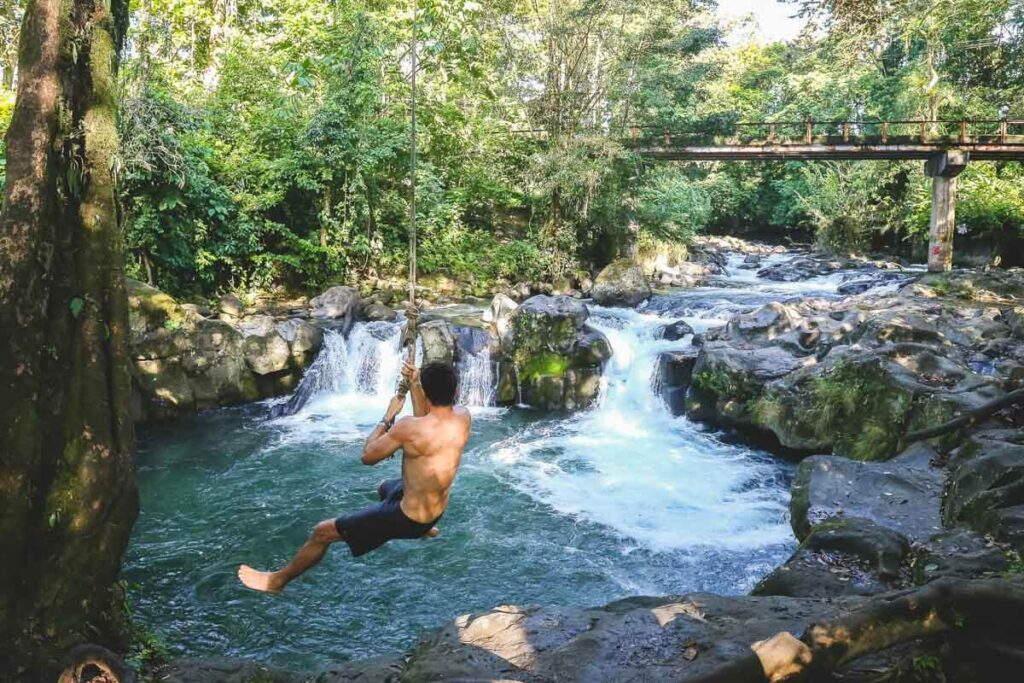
(439, 383)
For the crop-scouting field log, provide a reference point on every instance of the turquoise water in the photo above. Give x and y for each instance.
(622, 500)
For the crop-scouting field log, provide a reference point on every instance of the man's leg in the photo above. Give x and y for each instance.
(309, 555)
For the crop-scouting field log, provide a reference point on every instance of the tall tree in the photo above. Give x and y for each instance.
(67, 488)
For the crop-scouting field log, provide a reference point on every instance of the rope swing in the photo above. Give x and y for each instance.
(412, 312)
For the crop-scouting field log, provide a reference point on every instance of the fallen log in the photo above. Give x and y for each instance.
(982, 609)
(969, 418)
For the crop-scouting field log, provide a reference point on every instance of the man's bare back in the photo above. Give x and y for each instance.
(431, 452)
(431, 442)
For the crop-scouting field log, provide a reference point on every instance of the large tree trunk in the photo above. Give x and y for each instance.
(67, 481)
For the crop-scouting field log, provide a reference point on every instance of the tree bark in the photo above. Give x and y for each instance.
(67, 481)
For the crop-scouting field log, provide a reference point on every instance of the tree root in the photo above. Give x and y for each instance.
(983, 609)
(969, 418)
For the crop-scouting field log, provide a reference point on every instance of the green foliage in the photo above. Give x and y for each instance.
(266, 144)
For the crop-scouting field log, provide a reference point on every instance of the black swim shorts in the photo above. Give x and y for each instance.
(374, 526)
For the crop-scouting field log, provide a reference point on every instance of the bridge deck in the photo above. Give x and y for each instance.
(1006, 149)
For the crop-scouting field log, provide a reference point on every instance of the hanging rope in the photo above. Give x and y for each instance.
(412, 314)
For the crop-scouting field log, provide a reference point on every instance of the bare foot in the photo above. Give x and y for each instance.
(433, 533)
(259, 581)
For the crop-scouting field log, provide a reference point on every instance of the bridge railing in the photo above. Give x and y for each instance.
(918, 132)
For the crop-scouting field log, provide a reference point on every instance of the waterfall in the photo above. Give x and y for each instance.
(367, 364)
(476, 378)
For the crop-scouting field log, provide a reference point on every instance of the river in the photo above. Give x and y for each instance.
(620, 500)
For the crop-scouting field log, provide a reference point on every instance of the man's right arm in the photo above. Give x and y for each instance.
(419, 399)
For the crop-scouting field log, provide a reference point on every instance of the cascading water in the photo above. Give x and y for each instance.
(629, 465)
(365, 364)
(476, 379)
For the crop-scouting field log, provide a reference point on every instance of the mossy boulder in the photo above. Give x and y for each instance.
(728, 382)
(558, 359)
(150, 309)
(621, 283)
(986, 486)
(856, 408)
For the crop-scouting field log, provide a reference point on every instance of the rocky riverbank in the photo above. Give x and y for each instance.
(837, 383)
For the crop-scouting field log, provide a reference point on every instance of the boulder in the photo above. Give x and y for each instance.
(338, 304)
(266, 351)
(438, 342)
(1014, 318)
(222, 670)
(230, 308)
(841, 556)
(675, 373)
(676, 638)
(986, 489)
(727, 385)
(499, 315)
(960, 553)
(800, 268)
(676, 331)
(621, 283)
(150, 310)
(304, 340)
(183, 361)
(375, 311)
(557, 358)
(902, 494)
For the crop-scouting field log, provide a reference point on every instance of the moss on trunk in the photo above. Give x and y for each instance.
(67, 495)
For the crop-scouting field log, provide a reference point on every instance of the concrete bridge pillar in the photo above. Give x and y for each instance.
(943, 169)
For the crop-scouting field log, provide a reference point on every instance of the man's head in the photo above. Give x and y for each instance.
(439, 383)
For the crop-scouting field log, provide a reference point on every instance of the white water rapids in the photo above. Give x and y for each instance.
(627, 464)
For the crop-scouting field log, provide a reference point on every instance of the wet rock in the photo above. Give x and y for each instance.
(378, 312)
(764, 324)
(800, 268)
(675, 373)
(676, 331)
(182, 361)
(1014, 318)
(374, 670)
(223, 670)
(621, 283)
(438, 342)
(338, 304)
(558, 359)
(676, 638)
(727, 385)
(841, 556)
(902, 494)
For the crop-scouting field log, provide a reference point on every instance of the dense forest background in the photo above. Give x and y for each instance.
(266, 144)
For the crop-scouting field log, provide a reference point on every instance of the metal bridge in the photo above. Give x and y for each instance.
(945, 146)
(992, 140)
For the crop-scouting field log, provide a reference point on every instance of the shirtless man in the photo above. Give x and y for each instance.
(431, 441)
